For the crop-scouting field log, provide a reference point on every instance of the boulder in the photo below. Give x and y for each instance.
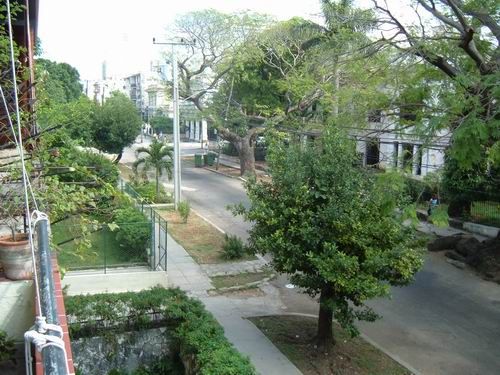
(444, 243)
(453, 255)
(468, 246)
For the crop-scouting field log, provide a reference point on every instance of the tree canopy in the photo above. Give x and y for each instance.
(58, 82)
(117, 124)
(332, 227)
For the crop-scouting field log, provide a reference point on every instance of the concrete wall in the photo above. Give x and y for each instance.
(17, 309)
(114, 282)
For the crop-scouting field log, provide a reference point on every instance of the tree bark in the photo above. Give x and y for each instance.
(324, 337)
(157, 184)
(246, 152)
(118, 157)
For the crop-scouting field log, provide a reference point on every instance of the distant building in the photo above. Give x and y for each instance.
(382, 145)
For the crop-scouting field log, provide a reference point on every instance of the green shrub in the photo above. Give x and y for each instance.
(88, 167)
(7, 348)
(147, 190)
(134, 231)
(418, 190)
(233, 247)
(197, 335)
(184, 208)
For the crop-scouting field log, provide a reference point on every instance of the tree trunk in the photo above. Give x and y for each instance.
(324, 337)
(157, 184)
(247, 156)
(118, 157)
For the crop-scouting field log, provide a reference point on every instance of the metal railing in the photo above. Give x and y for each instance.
(158, 246)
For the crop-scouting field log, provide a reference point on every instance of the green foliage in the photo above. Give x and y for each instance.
(158, 156)
(233, 247)
(58, 82)
(184, 209)
(162, 366)
(134, 233)
(196, 332)
(332, 226)
(147, 190)
(76, 117)
(163, 124)
(7, 347)
(117, 124)
(16, 10)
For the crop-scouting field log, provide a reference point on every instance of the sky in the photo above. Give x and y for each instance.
(84, 33)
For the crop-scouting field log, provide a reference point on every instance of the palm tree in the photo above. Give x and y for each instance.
(158, 156)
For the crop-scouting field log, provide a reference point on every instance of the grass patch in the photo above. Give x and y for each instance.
(294, 337)
(105, 249)
(487, 213)
(200, 239)
(240, 279)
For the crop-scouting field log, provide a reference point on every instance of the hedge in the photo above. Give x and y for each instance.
(198, 337)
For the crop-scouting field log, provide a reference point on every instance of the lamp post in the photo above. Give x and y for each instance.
(177, 157)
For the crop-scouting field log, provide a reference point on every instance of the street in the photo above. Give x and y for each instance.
(446, 322)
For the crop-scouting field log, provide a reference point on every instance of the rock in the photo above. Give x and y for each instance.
(467, 246)
(453, 255)
(456, 263)
(444, 243)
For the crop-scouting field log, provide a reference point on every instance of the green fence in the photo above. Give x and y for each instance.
(83, 246)
(158, 245)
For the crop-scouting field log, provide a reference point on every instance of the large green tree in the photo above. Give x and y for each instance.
(76, 117)
(458, 41)
(117, 124)
(332, 227)
(294, 75)
(57, 82)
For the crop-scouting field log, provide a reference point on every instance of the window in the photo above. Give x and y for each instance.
(152, 99)
(407, 156)
(418, 170)
(375, 116)
(372, 152)
(395, 155)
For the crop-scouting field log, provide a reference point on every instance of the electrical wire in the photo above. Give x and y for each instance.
(21, 154)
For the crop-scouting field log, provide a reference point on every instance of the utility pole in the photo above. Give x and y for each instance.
(177, 140)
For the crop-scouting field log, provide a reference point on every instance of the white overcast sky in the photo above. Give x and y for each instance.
(84, 33)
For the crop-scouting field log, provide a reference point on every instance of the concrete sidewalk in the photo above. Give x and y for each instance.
(185, 273)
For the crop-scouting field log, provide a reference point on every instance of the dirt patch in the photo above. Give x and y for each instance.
(125, 172)
(240, 279)
(294, 337)
(251, 292)
(200, 239)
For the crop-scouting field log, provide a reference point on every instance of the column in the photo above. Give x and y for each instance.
(400, 161)
(415, 161)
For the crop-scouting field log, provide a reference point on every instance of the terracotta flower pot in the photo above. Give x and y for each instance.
(15, 256)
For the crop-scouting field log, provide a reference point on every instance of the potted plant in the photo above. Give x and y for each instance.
(15, 252)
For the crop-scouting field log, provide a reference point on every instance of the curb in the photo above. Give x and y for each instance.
(221, 173)
(364, 337)
(208, 221)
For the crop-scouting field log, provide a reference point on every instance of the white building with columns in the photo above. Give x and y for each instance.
(382, 146)
(197, 131)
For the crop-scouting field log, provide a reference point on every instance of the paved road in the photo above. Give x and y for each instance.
(447, 322)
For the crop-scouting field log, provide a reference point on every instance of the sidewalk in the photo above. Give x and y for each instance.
(185, 273)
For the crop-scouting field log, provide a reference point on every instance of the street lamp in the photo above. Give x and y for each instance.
(177, 156)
